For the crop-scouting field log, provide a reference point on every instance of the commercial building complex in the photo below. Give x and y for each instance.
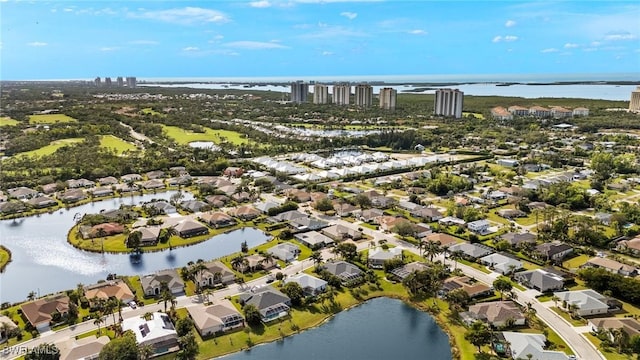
(448, 102)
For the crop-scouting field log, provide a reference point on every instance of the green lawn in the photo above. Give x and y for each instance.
(576, 262)
(609, 354)
(475, 266)
(115, 143)
(50, 119)
(183, 137)
(7, 121)
(529, 220)
(5, 257)
(566, 316)
(51, 148)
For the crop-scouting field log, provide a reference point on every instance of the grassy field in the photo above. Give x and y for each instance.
(118, 145)
(51, 148)
(183, 137)
(609, 354)
(5, 257)
(7, 121)
(576, 262)
(150, 111)
(50, 119)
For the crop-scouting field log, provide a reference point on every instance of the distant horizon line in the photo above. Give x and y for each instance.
(524, 77)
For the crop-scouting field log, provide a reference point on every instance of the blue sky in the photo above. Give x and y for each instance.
(268, 38)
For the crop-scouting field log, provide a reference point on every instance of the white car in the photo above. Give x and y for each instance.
(133, 305)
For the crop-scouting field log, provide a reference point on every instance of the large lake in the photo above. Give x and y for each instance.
(381, 328)
(44, 262)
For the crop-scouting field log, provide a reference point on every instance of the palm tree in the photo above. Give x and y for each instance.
(455, 256)
(31, 296)
(316, 256)
(169, 232)
(145, 351)
(97, 322)
(620, 338)
(432, 249)
(101, 234)
(110, 307)
(555, 300)
(239, 262)
(267, 258)
(147, 316)
(165, 294)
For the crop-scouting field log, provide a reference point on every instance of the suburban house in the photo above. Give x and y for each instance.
(72, 195)
(611, 266)
(217, 219)
(242, 196)
(216, 273)
(257, 262)
(369, 215)
(109, 180)
(285, 251)
(6, 327)
(517, 239)
(540, 280)
(83, 348)
(555, 251)
(40, 202)
(101, 191)
(341, 232)
(520, 345)
(511, 163)
(344, 209)
(588, 302)
(479, 227)
(271, 303)
(501, 263)
(156, 174)
(152, 184)
(313, 239)
(188, 228)
(110, 289)
(100, 230)
(311, 285)
(451, 220)
(400, 273)
(348, 273)
(157, 332)
(495, 313)
(152, 284)
(445, 240)
(511, 213)
(217, 201)
(408, 205)
(472, 287)
(378, 256)
(265, 206)
(149, 235)
(216, 318)
(78, 183)
(194, 205)
(471, 251)
(40, 313)
(632, 246)
(287, 216)
(163, 207)
(629, 325)
(245, 212)
(130, 178)
(307, 223)
(427, 213)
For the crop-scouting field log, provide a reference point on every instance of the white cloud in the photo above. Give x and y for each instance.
(143, 42)
(67, 10)
(596, 43)
(255, 45)
(37, 43)
(570, 46)
(549, 50)
(417, 32)
(260, 4)
(185, 16)
(620, 36)
(349, 15)
(510, 23)
(327, 53)
(506, 38)
(191, 48)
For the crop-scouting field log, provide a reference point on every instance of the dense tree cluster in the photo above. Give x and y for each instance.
(624, 288)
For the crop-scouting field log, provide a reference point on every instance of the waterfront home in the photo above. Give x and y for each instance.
(501, 263)
(311, 285)
(109, 289)
(188, 228)
(22, 193)
(516, 240)
(12, 207)
(105, 229)
(555, 251)
(523, 345)
(271, 303)
(215, 318)
(348, 273)
(42, 312)
(152, 284)
(72, 195)
(217, 219)
(341, 232)
(101, 191)
(629, 246)
(471, 251)
(7, 327)
(257, 262)
(377, 256)
(148, 235)
(472, 287)
(495, 313)
(313, 239)
(158, 332)
(611, 266)
(588, 302)
(400, 273)
(162, 207)
(540, 280)
(83, 348)
(285, 251)
(629, 325)
(215, 273)
(109, 180)
(152, 184)
(245, 212)
(40, 202)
